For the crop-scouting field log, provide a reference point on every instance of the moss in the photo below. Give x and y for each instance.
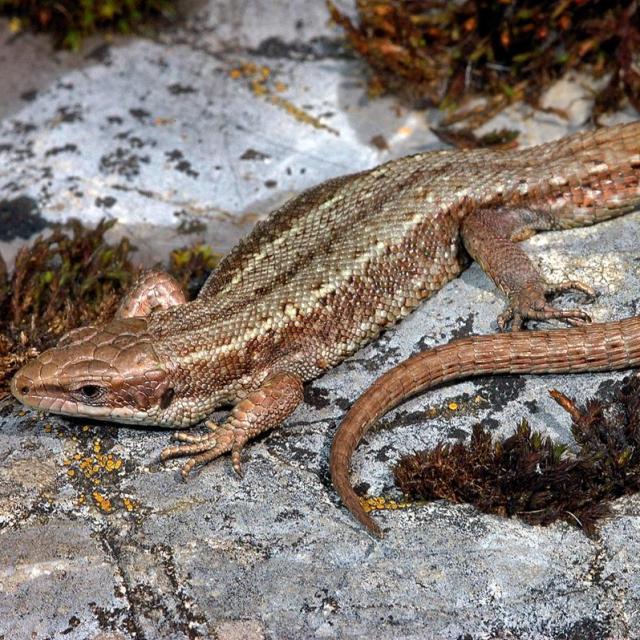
(532, 476)
(70, 21)
(191, 266)
(71, 278)
(444, 52)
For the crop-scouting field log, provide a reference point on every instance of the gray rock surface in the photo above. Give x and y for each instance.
(99, 540)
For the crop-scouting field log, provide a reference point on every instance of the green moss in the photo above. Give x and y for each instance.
(70, 21)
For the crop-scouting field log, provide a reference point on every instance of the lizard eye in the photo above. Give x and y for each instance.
(90, 392)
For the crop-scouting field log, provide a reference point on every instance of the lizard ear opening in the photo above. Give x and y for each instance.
(166, 397)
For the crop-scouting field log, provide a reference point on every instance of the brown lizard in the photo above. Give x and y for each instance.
(323, 276)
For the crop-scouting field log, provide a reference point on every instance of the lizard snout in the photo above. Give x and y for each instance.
(23, 383)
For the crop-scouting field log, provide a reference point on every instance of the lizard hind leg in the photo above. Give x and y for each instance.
(490, 236)
(152, 290)
(261, 410)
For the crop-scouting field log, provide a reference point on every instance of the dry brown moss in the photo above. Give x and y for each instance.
(443, 52)
(531, 476)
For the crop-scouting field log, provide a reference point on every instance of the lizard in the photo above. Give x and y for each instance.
(324, 275)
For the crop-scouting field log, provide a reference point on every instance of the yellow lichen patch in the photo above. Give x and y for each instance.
(93, 465)
(258, 87)
(299, 114)
(378, 503)
(103, 503)
(129, 504)
(15, 25)
(262, 84)
(453, 406)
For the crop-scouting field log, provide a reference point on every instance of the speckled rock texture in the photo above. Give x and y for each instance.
(186, 138)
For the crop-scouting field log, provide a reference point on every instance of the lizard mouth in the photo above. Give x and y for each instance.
(50, 398)
(45, 398)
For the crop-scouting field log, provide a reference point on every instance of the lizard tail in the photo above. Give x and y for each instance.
(597, 347)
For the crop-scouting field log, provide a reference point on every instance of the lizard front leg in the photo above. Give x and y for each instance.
(261, 410)
(490, 236)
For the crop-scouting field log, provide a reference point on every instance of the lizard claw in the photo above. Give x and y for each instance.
(530, 304)
(261, 410)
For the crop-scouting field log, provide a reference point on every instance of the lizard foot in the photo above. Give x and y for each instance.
(530, 304)
(207, 447)
(260, 411)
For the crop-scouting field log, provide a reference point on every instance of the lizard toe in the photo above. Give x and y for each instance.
(211, 425)
(202, 459)
(201, 448)
(571, 285)
(548, 312)
(236, 453)
(190, 437)
(199, 444)
(531, 304)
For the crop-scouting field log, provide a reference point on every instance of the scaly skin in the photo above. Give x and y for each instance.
(322, 277)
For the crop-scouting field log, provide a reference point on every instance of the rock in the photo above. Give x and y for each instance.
(101, 540)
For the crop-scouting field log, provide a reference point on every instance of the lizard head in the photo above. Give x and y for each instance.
(110, 372)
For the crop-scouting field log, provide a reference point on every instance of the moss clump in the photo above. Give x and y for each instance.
(67, 280)
(442, 52)
(191, 266)
(73, 20)
(533, 477)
